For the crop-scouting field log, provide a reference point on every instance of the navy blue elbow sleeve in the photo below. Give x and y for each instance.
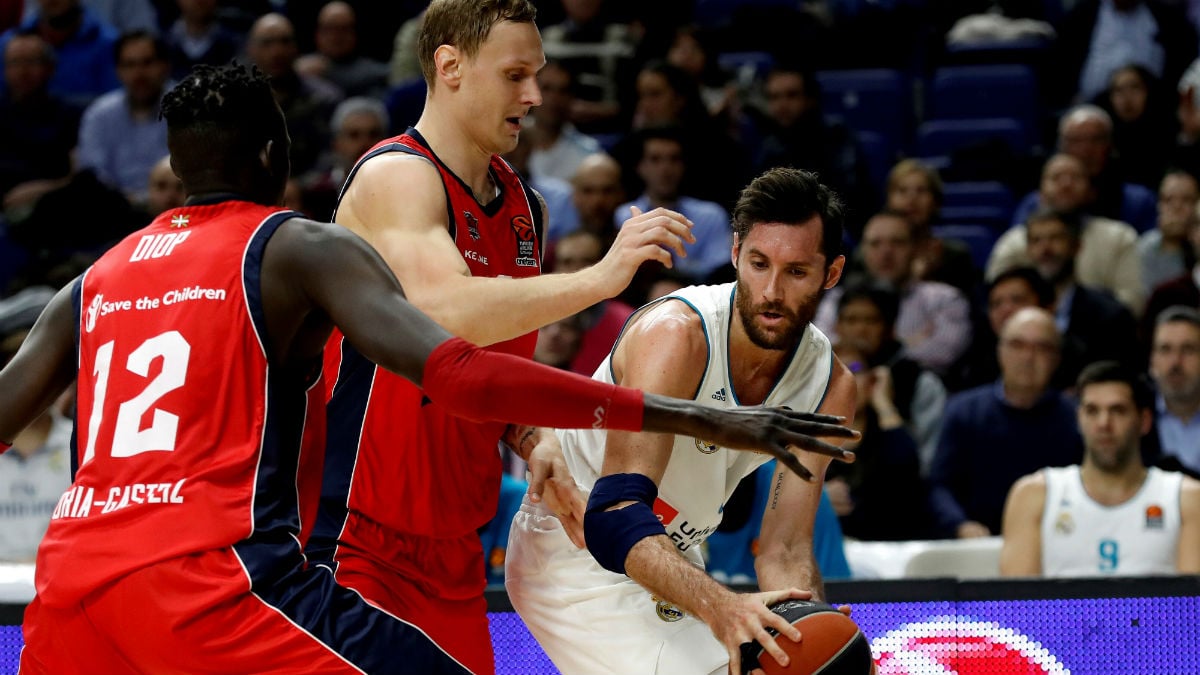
(611, 534)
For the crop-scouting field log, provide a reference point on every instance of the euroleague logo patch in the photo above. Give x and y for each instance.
(526, 241)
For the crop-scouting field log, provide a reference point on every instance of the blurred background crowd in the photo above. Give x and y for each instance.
(993, 157)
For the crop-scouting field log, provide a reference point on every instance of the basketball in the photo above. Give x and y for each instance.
(830, 643)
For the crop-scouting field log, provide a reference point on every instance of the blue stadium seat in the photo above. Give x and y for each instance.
(880, 152)
(873, 99)
(977, 193)
(990, 216)
(979, 239)
(984, 91)
(404, 103)
(942, 138)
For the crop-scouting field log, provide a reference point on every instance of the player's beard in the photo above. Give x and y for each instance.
(789, 332)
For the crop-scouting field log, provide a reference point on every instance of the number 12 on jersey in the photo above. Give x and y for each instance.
(129, 438)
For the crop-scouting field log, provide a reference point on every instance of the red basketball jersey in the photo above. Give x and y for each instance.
(187, 440)
(393, 455)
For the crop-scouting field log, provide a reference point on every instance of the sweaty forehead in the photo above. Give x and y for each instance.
(797, 241)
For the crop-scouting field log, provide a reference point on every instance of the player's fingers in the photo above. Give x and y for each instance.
(537, 481)
(798, 423)
(844, 609)
(770, 646)
(735, 661)
(791, 462)
(634, 211)
(810, 444)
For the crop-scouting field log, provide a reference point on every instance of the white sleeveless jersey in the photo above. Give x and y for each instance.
(700, 476)
(1081, 538)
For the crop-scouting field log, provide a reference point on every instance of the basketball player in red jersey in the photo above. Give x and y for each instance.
(463, 234)
(197, 346)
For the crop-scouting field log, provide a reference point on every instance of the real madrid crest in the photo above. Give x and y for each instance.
(1064, 523)
(666, 611)
(706, 447)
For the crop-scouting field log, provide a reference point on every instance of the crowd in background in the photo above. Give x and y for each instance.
(1091, 215)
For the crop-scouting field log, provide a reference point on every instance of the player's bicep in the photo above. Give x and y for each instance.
(663, 352)
(1021, 551)
(1188, 558)
(398, 204)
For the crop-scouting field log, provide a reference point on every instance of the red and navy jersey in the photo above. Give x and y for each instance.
(187, 439)
(393, 456)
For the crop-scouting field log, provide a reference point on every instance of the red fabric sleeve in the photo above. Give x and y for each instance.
(487, 386)
(5, 447)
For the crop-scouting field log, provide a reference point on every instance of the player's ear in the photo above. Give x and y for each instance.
(834, 273)
(1147, 421)
(737, 247)
(448, 62)
(264, 155)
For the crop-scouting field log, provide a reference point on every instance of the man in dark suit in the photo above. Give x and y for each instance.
(1095, 325)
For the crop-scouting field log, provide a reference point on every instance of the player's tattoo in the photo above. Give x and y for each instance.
(776, 491)
(521, 443)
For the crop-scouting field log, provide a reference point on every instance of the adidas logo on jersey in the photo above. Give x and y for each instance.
(719, 395)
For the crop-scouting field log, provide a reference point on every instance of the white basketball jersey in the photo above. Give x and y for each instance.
(1081, 538)
(700, 476)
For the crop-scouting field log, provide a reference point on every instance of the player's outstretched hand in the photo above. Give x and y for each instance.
(644, 236)
(746, 617)
(756, 428)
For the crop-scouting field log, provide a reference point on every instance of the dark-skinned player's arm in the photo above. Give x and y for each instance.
(323, 268)
(40, 371)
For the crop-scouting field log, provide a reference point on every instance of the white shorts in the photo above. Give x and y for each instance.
(592, 621)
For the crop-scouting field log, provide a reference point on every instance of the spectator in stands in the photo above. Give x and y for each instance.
(83, 47)
(121, 136)
(198, 36)
(1165, 251)
(1086, 132)
(404, 67)
(915, 189)
(600, 324)
(1175, 368)
(668, 97)
(881, 496)
(1112, 515)
(1098, 36)
(1094, 324)
(358, 123)
(796, 133)
(560, 147)
(338, 60)
(996, 433)
(599, 52)
(36, 472)
(164, 190)
(1010, 291)
(1181, 290)
(662, 166)
(1144, 125)
(558, 342)
(934, 322)
(307, 102)
(693, 51)
(1108, 256)
(866, 323)
(596, 193)
(37, 128)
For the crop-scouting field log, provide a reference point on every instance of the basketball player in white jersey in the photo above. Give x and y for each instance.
(640, 602)
(1112, 515)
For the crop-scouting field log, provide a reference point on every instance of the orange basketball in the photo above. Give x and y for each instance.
(830, 643)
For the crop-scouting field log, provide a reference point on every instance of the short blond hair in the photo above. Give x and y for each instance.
(464, 24)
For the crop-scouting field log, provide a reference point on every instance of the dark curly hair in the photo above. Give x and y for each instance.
(220, 117)
(786, 195)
